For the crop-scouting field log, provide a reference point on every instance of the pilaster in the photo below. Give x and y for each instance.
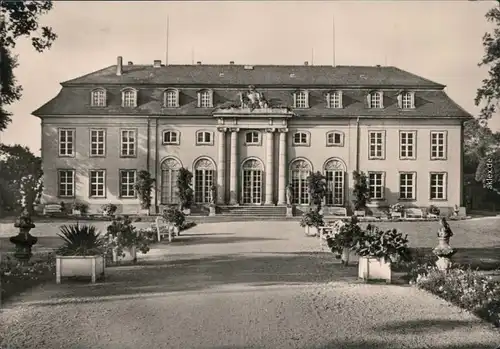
(282, 167)
(269, 166)
(221, 170)
(233, 178)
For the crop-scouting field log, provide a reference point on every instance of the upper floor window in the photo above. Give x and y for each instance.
(301, 99)
(129, 97)
(438, 145)
(171, 99)
(97, 142)
(301, 138)
(335, 138)
(376, 143)
(204, 138)
(98, 98)
(376, 100)
(252, 138)
(171, 137)
(205, 99)
(128, 142)
(407, 141)
(334, 99)
(406, 100)
(66, 142)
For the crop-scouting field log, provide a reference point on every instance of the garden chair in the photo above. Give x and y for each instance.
(164, 228)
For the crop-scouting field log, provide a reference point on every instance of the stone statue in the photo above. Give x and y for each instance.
(289, 195)
(444, 231)
(213, 194)
(252, 99)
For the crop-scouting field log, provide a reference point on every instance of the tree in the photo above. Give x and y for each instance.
(361, 190)
(317, 189)
(19, 19)
(488, 171)
(478, 142)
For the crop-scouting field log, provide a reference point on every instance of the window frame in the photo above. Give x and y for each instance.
(166, 93)
(307, 143)
(445, 186)
(383, 138)
(445, 145)
(329, 99)
(73, 142)
(298, 93)
(104, 97)
(134, 97)
(177, 137)
(135, 132)
(104, 187)
(414, 185)
(413, 145)
(204, 142)
(252, 143)
(401, 100)
(103, 143)
(73, 183)
(210, 95)
(381, 99)
(120, 183)
(334, 144)
(382, 186)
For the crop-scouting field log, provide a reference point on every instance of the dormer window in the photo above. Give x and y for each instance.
(376, 100)
(205, 99)
(301, 99)
(335, 139)
(171, 137)
(129, 97)
(171, 99)
(406, 100)
(334, 99)
(252, 138)
(98, 98)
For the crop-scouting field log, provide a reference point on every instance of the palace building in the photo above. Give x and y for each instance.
(251, 131)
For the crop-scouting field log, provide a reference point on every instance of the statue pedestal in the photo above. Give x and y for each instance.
(289, 211)
(211, 211)
(24, 241)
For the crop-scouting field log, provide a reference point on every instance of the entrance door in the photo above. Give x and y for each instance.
(252, 182)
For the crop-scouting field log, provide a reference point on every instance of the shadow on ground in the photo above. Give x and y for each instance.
(372, 345)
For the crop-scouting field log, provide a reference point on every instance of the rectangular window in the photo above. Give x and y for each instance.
(128, 143)
(66, 183)
(97, 142)
(407, 185)
(407, 100)
(205, 99)
(376, 144)
(127, 181)
(407, 140)
(66, 142)
(376, 185)
(438, 145)
(334, 100)
(97, 184)
(376, 100)
(204, 138)
(300, 100)
(300, 138)
(438, 186)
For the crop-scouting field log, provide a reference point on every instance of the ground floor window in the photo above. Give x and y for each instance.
(252, 181)
(127, 181)
(299, 172)
(66, 183)
(438, 186)
(204, 172)
(169, 173)
(334, 173)
(376, 185)
(97, 183)
(407, 185)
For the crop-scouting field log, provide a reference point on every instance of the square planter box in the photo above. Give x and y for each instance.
(130, 255)
(360, 213)
(212, 211)
(91, 266)
(374, 269)
(311, 231)
(77, 213)
(396, 215)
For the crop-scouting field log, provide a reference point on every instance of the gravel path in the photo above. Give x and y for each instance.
(241, 285)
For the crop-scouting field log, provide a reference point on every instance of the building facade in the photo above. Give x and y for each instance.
(251, 131)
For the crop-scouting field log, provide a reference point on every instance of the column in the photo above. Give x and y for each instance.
(221, 170)
(282, 167)
(269, 166)
(233, 180)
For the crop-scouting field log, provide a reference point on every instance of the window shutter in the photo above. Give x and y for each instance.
(199, 99)
(381, 94)
(368, 100)
(400, 100)
(177, 98)
(412, 99)
(295, 99)
(306, 94)
(341, 104)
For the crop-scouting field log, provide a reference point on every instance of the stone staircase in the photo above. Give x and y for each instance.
(253, 211)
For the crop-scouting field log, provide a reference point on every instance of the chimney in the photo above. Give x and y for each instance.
(199, 62)
(306, 63)
(119, 65)
(232, 62)
(157, 63)
(130, 63)
(378, 65)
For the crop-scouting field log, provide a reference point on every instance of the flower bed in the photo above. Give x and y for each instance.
(17, 278)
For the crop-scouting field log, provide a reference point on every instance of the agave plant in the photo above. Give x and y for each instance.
(80, 240)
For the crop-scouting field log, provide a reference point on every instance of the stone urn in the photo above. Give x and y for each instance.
(443, 250)
(24, 241)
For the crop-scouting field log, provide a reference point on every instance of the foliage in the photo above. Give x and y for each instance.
(361, 190)
(488, 171)
(80, 240)
(143, 187)
(346, 236)
(80, 206)
(388, 245)
(20, 178)
(317, 188)
(19, 19)
(479, 141)
(312, 218)
(464, 287)
(109, 209)
(434, 210)
(175, 216)
(396, 208)
(122, 234)
(184, 181)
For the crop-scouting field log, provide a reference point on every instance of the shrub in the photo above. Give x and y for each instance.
(434, 210)
(121, 234)
(143, 186)
(397, 208)
(361, 190)
(184, 181)
(80, 206)
(80, 240)
(317, 188)
(109, 209)
(312, 218)
(175, 216)
(389, 245)
(345, 236)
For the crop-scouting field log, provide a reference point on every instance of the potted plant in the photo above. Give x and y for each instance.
(396, 210)
(143, 186)
(433, 211)
(176, 217)
(317, 189)
(108, 210)
(82, 252)
(361, 192)
(377, 250)
(310, 221)
(344, 238)
(123, 240)
(184, 181)
(79, 209)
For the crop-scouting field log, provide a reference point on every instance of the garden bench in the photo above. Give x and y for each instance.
(414, 213)
(51, 209)
(336, 211)
(164, 228)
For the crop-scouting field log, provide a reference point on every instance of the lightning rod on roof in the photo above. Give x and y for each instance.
(192, 55)
(333, 40)
(166, 48)
(312, 56)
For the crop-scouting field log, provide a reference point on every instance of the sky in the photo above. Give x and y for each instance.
(439, 40)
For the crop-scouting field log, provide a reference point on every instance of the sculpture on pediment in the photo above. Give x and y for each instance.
(253, 99)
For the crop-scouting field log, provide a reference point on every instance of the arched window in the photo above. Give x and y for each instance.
(205, 99)
(252, 171)
(335, 138)
(171, 137)
(204, 173)
(299, 172)
(204, 138)
(171, 99)
(406, 100)
(129, 97)
(98, 98)
(334, 173)
(301, 138)
(169, 172)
